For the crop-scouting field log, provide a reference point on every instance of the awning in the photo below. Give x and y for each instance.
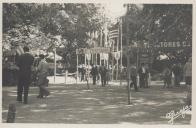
(51, 56)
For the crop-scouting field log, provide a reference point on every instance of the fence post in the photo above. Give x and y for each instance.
(11, 113)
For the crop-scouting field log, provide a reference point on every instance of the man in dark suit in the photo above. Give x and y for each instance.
(143, 76)
(24, 63)
(94, 73)
(103, 71)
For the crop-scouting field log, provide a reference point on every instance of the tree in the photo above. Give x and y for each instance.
(167, 21)
(171, 23)
(71, 21)
(156, 23)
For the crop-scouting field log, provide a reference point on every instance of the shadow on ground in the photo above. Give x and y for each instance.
(74, 104)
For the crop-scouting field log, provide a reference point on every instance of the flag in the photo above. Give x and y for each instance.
(114, 31)
(113, 34)
(115, 37)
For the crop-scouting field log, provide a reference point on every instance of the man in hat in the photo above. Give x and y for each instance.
(24, 63)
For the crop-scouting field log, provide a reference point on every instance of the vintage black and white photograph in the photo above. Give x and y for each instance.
(97, 63)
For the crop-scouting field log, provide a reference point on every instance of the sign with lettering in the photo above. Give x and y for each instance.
(92, 50)
(104, 56)
(160, 45)
(177, 44)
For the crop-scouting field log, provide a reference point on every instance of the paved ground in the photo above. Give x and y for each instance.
(74, 104)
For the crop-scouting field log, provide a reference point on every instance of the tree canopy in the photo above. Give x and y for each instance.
(161, 22)
(156, 23)
(71, 21)
(37, 24)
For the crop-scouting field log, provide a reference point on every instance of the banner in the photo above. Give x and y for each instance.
(104, 56)
(116, 55)
(92, 50)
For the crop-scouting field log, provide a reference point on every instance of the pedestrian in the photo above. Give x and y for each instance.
(107, 76)
(94, 73)
(143, 75)
(133, 75)
(188, 72)
(167, 73)
(13, 73)
(147, 80)
(34, 70)
(188, 79)
(177, 72)
(24, 63)
(98, 75)
(42, 73)
(103, 71)
(83, 72)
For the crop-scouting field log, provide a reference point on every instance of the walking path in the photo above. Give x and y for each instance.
(74, 104)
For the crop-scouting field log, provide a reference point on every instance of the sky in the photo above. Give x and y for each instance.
(115, 10)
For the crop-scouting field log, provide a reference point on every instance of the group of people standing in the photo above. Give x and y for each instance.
(97, 73)
(143, 73)
(26, 63)
(103, 73)
(173, 75)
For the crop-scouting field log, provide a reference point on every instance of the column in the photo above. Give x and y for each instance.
(121, 43)
(101, 38)
(96, 59)
(116, 58)
(93, 62)
(100, 59)
(77, 71)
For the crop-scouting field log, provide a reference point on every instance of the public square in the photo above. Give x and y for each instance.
(75, 104)
(97, 63)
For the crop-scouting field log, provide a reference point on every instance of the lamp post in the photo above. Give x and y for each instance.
(121, 42)
(56, 41)
(121, 51)
(54, 64)
(128, 57)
